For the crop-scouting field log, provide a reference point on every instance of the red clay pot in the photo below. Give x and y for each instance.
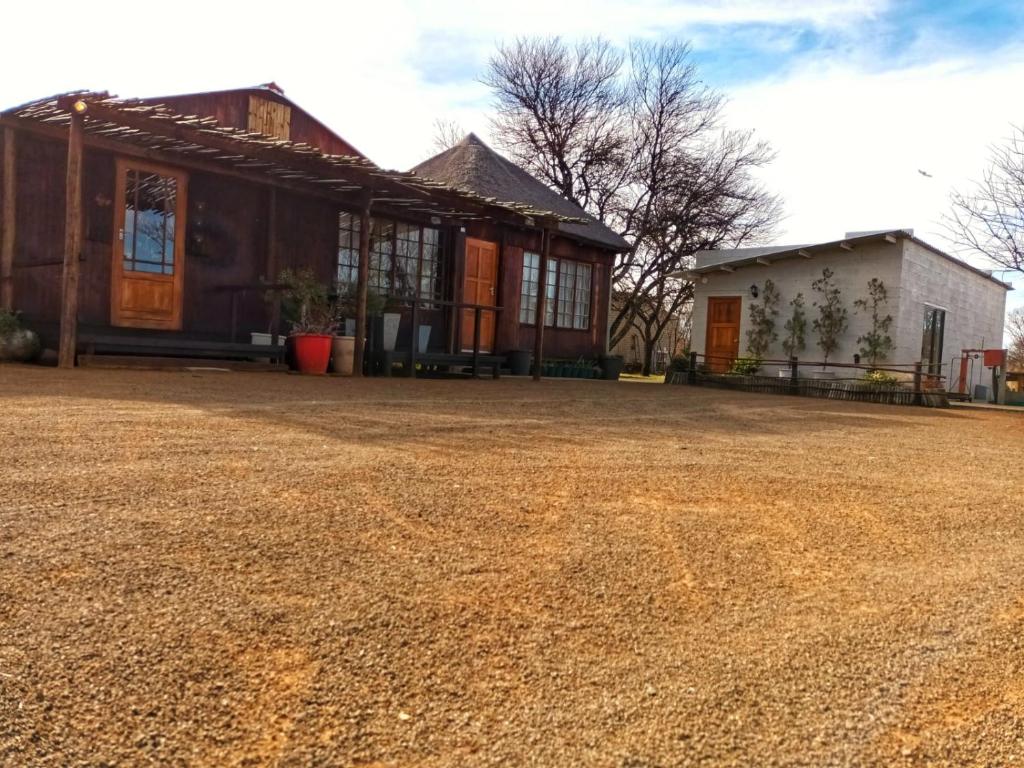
(312, 352)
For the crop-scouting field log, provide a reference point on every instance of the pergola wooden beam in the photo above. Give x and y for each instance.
(7, 221)
(362, 288)
(72, 246)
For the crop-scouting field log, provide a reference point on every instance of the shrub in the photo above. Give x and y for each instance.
(881, 378)
(876, 343)
(9, 322)
(679, 363)
(830, 324)
(762, 333)
(745, 366)
(796, 328)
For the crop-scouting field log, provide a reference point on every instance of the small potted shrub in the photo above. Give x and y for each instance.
(611, 367)
(519, 362)
(17, 343)
(745, 366)
(314, 323)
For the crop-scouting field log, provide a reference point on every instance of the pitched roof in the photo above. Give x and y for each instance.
(477, 167)
(735, 258)
(111, 122)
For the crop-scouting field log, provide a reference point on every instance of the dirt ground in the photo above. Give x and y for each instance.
(256, 569)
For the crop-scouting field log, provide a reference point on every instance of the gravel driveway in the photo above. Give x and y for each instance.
(259, 569)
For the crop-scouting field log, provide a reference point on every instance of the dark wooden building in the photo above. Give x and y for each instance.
(578, 274)
(158, 226)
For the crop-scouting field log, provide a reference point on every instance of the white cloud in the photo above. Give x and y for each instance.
(850, 142)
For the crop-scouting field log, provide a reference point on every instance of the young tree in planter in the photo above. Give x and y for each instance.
(796, 328)
(762, 333)
(831, 322)
(876, 344)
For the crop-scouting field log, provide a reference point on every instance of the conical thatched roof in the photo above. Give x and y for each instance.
(474, 165)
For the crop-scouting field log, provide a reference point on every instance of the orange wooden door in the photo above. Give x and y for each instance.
(480, 287)
(147, 270)
(723, 337)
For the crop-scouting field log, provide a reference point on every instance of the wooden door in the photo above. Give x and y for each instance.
(723, 337)
(147, 271)
(480, 286)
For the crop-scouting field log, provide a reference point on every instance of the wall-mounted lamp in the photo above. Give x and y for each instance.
(753, 291)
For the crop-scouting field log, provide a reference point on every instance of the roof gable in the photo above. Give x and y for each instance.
(474, 165)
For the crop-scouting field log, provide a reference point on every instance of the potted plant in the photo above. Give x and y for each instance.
(17, 343)
(611, 367)
(314, 322)
(519, 362)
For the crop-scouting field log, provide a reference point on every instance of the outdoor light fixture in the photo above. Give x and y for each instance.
(753, 291)
(80, 106)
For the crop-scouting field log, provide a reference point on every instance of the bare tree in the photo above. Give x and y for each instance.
(1015, 330)
(640, 147)
(989, 219)
(447, 133)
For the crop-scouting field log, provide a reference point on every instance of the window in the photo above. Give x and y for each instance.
(149, 211)
(931, 340)
(528, 292)
(567, 292)
(404, 258)
(348, 249)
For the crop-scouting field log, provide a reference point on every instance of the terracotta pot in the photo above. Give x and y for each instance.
(312, 352)
(343, 350)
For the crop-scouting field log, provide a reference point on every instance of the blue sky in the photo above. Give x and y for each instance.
(855, 95)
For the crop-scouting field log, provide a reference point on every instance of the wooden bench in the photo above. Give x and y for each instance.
(124, 344)
(385, 361)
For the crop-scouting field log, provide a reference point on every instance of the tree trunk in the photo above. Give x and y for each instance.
(649, 346)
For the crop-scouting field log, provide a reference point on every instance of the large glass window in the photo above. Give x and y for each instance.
(404, 258)
(149, 210)
(348, 249)
(931, 340)
(567, 290)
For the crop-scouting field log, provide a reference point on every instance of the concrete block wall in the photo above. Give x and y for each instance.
(975, 308)
(914, 276)
(852, 271)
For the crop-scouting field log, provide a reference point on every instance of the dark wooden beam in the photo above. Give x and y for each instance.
(542, 294)
(7, 219)
(362, 289)
(72, 246)
(187, 162)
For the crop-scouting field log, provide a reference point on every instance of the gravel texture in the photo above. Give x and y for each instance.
(257, 569)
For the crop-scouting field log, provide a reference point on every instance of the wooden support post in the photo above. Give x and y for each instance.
(542, 294)
(476, 343)
(415, 341)
(691, 370)
(7, 214)
(794, 372)
(72, 245)
(271, 277)
(362, 289)
(918, 393)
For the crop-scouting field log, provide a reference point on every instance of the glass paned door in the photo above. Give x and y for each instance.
(147, 270)
(931, 340)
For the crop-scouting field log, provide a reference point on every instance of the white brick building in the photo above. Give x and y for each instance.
(939, 304)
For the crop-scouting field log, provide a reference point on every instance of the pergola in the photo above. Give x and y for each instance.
(145, 130)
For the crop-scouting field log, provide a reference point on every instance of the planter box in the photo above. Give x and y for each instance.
(267, 339)
(392, 320)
